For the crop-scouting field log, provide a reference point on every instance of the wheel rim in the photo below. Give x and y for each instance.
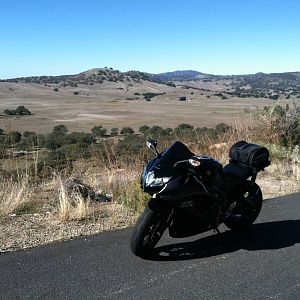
(153, 234)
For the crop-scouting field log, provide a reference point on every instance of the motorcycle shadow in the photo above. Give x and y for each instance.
(262, 236)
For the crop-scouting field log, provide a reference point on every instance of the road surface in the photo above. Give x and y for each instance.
(262, 264)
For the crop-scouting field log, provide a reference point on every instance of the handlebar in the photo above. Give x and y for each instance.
(180, 162)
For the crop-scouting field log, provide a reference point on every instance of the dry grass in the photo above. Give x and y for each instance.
(65, 213)
(13, 195)
(71, 206)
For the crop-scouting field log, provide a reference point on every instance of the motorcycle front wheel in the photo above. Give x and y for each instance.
(147, 232)
(247, 209)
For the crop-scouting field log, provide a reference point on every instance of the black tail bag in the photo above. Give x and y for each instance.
(250, 154)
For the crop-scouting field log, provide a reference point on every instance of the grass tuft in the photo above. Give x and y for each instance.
(14, 195)
(71, 206)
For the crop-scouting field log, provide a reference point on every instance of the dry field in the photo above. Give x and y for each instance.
(116, 105)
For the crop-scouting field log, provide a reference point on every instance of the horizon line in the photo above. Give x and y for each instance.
(182, 70)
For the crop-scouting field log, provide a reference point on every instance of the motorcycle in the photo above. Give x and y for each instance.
(191, 194)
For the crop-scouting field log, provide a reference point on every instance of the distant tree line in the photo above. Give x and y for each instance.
(61, 147)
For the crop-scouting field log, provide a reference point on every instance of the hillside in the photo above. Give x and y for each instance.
(115, 99)
(259, 85)
(178, 75)
(97, 75)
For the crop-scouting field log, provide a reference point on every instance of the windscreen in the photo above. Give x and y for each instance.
(170, 156)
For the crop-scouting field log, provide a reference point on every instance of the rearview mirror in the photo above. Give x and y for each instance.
(152, 144)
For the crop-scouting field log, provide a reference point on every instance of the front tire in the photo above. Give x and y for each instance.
(248, 208)
(147, 232)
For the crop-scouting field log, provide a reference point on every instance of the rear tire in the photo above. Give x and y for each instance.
(147, 232)
(248, 208)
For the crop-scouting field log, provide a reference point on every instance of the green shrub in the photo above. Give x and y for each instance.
(114, 131)
(99, 131)
(127, 130)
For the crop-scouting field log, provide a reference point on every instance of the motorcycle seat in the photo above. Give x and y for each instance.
(237, 172)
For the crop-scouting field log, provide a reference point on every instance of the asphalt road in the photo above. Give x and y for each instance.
(262, 264)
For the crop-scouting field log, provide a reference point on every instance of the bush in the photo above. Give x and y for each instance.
(80, 138)
(184, 131)
(60, 130)
(52, 142)
(279, 125)
(22, 110)
(172, 84)
(155, 131)
(131, 144)
(30, 140)
(127, 130)
(222, 128)
(14, 137)
(144, 129)
(19, 111)
(9, 112)
(148, 96)
(99, 131)
(184, 126)
(114, 131)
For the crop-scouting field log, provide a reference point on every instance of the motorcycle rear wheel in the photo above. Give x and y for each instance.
(247, 208)
(147, 232)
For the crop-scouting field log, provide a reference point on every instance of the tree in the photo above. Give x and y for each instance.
(99, 131)
(29, 139)
(156, 130)
(184, 126)
(60, 130)
(28, 133)
(22, 110)
(222, 128)
(114, 131)
(144, 129)
(9, 112)
(51, 142)
(167, 131)
(80, 138)
(15, 137)
(127, 130)
(184, 130)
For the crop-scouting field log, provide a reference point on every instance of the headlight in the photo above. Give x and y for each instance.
(150, 180)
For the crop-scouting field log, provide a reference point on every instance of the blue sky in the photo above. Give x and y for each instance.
(219, 37)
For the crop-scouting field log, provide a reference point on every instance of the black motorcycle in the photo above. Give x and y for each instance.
(192, 194)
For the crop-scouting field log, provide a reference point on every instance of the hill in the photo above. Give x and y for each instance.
(114, 99)
(96, 75)
(178, 75)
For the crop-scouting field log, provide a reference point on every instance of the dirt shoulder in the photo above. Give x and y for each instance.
(23, 231)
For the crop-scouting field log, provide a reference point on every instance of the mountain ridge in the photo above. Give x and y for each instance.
(180, 75)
